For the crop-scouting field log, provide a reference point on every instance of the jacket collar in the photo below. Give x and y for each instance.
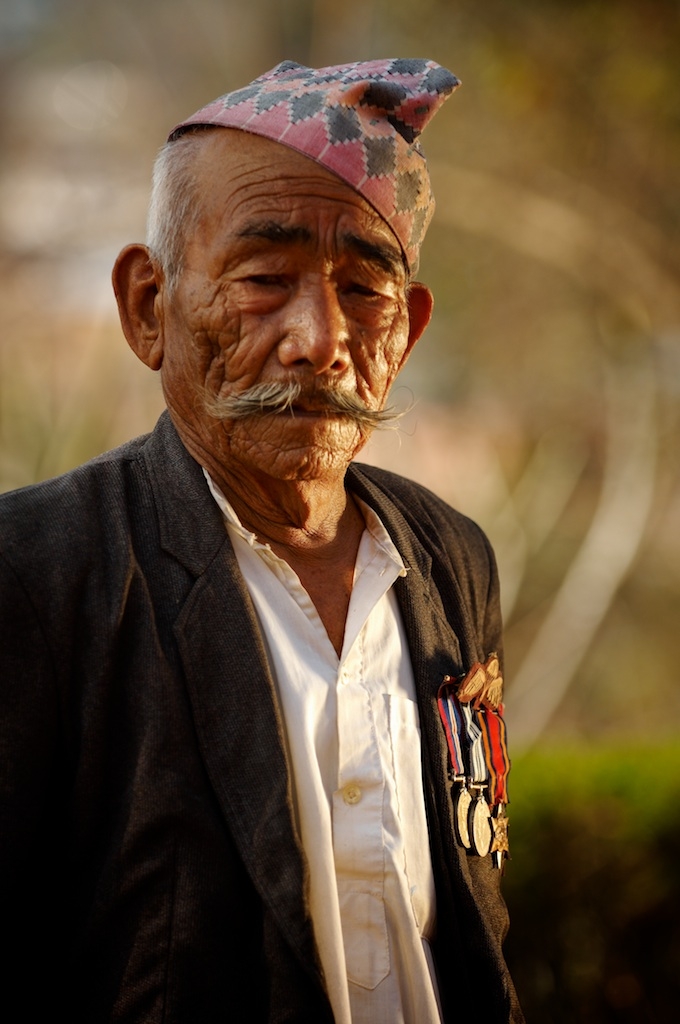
(191, 527)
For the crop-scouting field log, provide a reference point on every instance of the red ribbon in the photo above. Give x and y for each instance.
(495, 753)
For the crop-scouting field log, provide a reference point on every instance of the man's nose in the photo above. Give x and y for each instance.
(316, 330)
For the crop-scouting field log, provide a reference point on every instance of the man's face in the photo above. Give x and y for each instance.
(289, 275)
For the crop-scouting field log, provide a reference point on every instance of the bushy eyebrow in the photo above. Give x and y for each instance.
(386, 257)
(270, 231)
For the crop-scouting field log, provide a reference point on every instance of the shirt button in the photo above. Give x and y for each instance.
(351, 794)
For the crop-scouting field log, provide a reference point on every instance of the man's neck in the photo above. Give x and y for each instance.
(315, 527)
(305, 514)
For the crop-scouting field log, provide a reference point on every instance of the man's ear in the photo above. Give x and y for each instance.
(136, 283)
(420, 305)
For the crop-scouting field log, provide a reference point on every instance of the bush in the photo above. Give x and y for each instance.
(594, 884)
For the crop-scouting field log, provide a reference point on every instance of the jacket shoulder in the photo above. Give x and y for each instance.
(75, 483)
(433, 519)
(58, 521)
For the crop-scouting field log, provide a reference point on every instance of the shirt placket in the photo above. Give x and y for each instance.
(358, 828)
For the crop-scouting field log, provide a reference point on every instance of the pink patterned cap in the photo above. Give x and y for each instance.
(360, 120)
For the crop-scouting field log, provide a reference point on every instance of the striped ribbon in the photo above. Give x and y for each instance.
(494, 740)
(477, 742)
(478, 768)
(454, 727)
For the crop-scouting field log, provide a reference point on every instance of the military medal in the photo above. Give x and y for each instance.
(483, 684)
(498, 763)
(479, 825)
(472, 714)
(499, 847)
(461, 808)
(454, 727)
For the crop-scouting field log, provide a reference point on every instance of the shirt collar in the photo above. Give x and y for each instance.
(374, 525)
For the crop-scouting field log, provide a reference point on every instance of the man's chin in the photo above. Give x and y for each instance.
(314, 447)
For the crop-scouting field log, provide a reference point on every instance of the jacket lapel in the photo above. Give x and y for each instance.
(436, 651)
(435, 647)
(231, 691)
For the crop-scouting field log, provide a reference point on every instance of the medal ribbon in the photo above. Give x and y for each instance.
(478, 768)
(449, 711)
(494, 740)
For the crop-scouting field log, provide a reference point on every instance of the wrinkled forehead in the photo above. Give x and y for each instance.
(243, 180)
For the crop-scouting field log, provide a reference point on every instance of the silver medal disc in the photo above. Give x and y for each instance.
(479, 827)
(461, 810)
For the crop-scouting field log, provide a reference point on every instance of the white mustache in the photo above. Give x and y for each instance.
(281, 396)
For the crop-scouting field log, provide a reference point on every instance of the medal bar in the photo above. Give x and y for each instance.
(472, 715)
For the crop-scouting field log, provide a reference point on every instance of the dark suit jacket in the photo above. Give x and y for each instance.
(151, 868)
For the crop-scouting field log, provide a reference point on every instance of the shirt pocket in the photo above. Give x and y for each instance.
(364, 935)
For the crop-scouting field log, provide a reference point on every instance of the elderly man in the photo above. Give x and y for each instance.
(244, 778)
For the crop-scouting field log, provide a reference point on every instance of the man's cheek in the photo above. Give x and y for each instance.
(385, 346)
(376, 371)
(228, 344)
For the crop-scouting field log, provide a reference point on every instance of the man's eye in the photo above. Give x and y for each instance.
(354, 288)
(265, 280)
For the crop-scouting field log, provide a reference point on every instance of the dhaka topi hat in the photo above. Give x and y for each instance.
(361, 121)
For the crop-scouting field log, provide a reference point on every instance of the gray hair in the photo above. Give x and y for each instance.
(173, 207)
(280, 396)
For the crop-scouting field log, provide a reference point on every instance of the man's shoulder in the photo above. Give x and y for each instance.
(102, 481)
(64, 541)
(144, 495)
(52, 501)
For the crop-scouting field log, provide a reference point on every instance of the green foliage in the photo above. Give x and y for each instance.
(593, 886)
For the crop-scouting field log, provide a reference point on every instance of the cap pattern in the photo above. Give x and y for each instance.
(361, 121)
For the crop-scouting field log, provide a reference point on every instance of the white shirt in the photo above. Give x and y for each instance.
(354, 746)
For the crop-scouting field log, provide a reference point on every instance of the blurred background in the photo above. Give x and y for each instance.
(544, 401)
